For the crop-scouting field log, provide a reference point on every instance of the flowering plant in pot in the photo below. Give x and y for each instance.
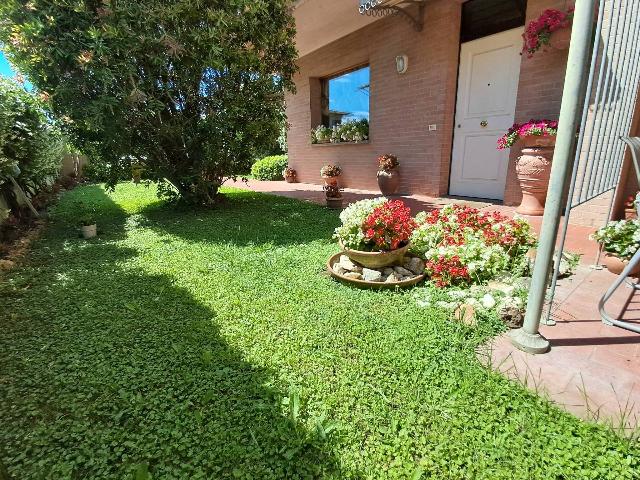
(320, 134)
(534, 165)
(631, 207)
(619, 240)
(86, 220)
(388, 174)
(550, 28)
(333, 195)
(289, 174)
(330, 174)
(375, 233)
(463, 245)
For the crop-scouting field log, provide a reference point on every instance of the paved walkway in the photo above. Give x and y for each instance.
(593, 370)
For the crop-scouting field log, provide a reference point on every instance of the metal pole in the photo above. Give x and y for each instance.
(528, 338)
(579, 153)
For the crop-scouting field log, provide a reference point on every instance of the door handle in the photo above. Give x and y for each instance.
(484, 124)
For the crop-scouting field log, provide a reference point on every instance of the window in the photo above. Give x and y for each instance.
(345, 98)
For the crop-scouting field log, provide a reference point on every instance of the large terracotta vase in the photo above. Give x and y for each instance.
(388, 181)
(534, 169)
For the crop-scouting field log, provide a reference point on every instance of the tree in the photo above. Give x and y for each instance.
(191, 89)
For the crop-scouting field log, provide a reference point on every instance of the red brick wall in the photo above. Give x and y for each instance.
(401, 108)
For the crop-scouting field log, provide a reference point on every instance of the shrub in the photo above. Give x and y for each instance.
(29, 140)
(330, 171)
(270, 168)
(193, 89)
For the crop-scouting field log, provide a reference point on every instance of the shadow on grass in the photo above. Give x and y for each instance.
(246, 218)
(107, 371)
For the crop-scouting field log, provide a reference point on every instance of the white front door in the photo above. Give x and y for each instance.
(487, 89)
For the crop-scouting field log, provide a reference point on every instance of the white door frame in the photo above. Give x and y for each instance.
(468, 129)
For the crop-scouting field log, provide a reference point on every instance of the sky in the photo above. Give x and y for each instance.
(7, 71)
(346, 94)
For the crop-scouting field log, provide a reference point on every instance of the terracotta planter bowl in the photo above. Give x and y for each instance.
(365, 284)
(389, 182)
(376, 259)
(616, 265)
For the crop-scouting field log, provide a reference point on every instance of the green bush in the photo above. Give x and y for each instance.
(270, 168)
(193, 89)
(29, 140)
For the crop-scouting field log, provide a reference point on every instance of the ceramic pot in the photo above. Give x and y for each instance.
(560, 39)
(330, 180)
(89, 231)
(534, 169)
(376, 259)
(334, 203)
(615, 264)
(388, 181)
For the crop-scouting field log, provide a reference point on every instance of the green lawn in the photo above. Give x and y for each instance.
(210, 344)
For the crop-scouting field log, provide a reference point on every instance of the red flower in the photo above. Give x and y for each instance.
(389, 226)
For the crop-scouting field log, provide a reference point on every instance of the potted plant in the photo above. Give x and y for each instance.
(86, 220)
(388, 174)
(619, 241)
(333, 195)
(376, 233)
(330, 174)
(289, 175)
(533, 167)
(320, 134)
(631, 207)
(551, 28)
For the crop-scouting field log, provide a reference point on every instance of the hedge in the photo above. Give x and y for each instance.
(270, 168)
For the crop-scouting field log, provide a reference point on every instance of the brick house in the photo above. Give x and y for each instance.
(465, 83)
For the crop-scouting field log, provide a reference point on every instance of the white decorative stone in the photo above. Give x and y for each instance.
(488, 301)
(392, 278)
(353, 275)
(347, 264)
(371, 275)
(501, 287)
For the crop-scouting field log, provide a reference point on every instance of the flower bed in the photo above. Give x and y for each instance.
(461, 245)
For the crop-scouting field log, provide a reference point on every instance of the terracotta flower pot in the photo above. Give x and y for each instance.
(560, 39)
(330, 180)
(290, 179)
(616, 265)
(388, 181)
(630, 214)
(534, 169)
(376, 259)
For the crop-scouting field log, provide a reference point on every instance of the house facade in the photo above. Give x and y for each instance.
(439, 83)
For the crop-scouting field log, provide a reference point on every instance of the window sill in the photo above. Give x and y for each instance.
(339, 144)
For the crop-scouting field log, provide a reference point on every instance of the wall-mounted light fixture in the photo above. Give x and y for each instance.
(402, 64)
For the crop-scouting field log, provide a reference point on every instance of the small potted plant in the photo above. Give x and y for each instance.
(631, 207)
(619, 241)
(321, 134)
(533, 167)
(388, 174)
(289, 175)
(551, 28)
(333, 195)
(330, 174)
(86, 220)
(376, 233)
